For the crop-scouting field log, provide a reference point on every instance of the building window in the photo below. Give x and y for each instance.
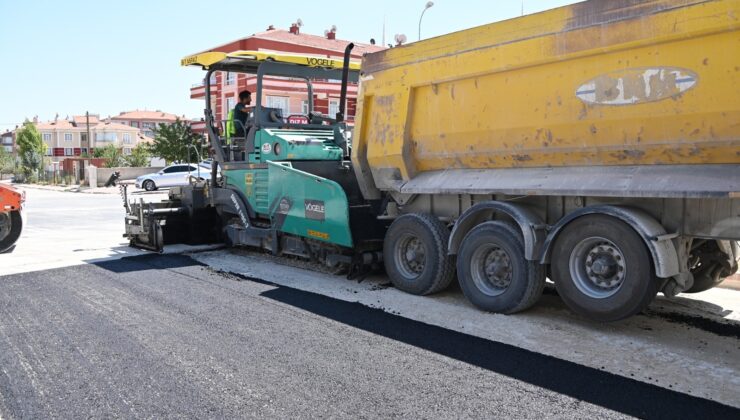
(127, 151)
(49, 151)
(279, 102)
(149, 133)
(333, 107)
(230, 78)
(47, 136)
(230, 103)
(83, 137)
(84, 150)
(147, 125)
(106, 137)
(135, 124)
(304, 107)
(67, 136)
(126, 138)
(68, 151)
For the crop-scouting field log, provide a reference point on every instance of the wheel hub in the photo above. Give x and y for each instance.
(498, 268)
(604, 266)
(413, 256)
(491, 269)
(597, 267)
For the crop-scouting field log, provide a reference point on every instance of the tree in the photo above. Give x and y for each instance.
(30, 148)
(112, 155)
(7, 163)
(175, 142)
(31, 164)
(139, 157)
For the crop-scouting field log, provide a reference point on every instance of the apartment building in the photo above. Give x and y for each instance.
(145, 121)
(69, 137)
(7, 141)
(290, 96)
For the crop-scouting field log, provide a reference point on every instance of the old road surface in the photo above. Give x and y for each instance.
(91, 328)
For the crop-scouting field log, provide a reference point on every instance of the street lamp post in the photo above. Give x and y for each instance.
(197, 154)
(428, 5)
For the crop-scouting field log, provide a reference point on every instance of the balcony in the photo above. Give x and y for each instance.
(198, 126)
(197, 91)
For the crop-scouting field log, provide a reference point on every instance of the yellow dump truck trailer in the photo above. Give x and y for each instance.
(597, 142)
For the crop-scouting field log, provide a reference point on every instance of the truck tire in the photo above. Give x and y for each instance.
(712, 269)
(494, 274)
(706, 278)
(11, 225)
(602, 269)
(415, 254)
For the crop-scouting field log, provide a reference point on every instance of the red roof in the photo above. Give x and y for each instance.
(51, 125)
(114, 126)
(316, 41)
(146, 115)
(306, 40)
(81, 120)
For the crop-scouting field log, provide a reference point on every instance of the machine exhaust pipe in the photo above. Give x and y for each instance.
(345, 80)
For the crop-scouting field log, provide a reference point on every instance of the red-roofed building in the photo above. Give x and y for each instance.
(68, 137)
(290, 96)
(146, 121)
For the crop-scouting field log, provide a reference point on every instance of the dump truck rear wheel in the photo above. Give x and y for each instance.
(11, 225)
(712, 269)
(493, 272)
(602, 269)
(415, 254)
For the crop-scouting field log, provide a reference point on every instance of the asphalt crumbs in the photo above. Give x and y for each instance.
(164, 336)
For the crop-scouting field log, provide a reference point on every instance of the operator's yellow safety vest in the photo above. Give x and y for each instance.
(230, 127)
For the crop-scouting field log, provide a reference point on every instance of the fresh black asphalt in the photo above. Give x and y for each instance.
(163, 336)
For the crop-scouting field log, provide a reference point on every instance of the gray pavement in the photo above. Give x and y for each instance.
(68, 228)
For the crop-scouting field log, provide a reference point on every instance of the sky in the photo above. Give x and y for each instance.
(105, 57)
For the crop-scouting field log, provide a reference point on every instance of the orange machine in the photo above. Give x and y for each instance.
(11, 222)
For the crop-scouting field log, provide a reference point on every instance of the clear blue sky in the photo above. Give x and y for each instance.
(67, 57)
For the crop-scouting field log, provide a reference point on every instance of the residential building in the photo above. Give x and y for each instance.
(289, 95)
(146, 121)
(69, 137)
(124, 137)
(7, 141)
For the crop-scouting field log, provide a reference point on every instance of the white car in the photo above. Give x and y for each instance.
(205, 165)
(171, 176)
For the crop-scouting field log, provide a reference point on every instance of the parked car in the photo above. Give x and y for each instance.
(205, 164)
(171, 176)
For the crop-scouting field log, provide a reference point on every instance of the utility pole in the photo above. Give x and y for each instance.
(383, 42)
(87, 123)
